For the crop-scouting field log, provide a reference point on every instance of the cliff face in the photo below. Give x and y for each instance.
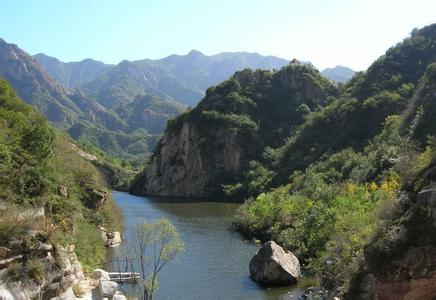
(55, 281)
(214, 149)
(181, 166)
(400, 262)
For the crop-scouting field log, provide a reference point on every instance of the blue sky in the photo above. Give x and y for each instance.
(327, 33)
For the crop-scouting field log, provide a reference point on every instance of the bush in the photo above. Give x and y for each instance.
(36, 269)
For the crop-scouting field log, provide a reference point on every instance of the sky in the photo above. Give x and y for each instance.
(326, 33)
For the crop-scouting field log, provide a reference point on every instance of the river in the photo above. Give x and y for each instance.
(215, 262)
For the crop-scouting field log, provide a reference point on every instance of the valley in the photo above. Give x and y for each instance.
(252, 176)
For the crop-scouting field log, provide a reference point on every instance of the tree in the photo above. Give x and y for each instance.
(155, 245)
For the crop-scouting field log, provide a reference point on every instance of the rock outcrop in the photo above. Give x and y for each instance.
(56, 281)
(274, 266)
(214, 149)
(111, 239)
(400, 263)
(183, 167)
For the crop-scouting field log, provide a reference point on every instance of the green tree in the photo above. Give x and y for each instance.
(155, 245)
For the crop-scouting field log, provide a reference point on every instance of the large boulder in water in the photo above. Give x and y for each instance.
(274, 266)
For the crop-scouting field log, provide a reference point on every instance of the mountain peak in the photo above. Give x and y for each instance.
(194, 52)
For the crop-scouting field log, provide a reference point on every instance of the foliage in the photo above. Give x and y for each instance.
(35, 161)
(36, 269)
(155, 245)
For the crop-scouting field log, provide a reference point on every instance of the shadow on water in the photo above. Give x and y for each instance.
(214, 264)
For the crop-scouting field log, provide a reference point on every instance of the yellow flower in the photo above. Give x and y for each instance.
(373, 186)
(384, 186)
(351, 188)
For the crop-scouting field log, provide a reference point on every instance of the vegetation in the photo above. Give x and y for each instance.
(155, 245)
(322, 166)
(36, 161)
(344, 167)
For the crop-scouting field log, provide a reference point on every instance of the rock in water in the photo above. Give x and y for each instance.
(274, 266)
(107, 288)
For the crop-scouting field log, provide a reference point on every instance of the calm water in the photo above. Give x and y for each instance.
(215, 262)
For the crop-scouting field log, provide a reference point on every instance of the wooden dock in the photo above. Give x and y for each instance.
(124, 276)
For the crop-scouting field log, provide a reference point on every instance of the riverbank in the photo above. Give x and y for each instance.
(215, 257)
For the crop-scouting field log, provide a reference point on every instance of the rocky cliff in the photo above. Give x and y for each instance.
(214, 146)
(182, 167)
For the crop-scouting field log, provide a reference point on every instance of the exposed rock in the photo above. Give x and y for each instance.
(43, 247)
(182, 167)
(33, 214)
(400, 263)
(100, 274)
(107, 288)
(111, 239)
(6, 262)
(62, 190)
(5, 294)
(119, 296)
(4, 252)
(56, 282)
(274, 266)
(96, 198)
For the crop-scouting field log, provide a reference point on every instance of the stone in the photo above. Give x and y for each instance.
(100, 275)
(107, 288)
(115, 240)
(43, 247)
(62, 190)
(4, 252)
(5, 294)
(111, 239)
(274, 266)
(119, 296)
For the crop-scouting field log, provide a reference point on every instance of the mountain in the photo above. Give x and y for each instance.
(38, 88)
(121, 84)
(183, 78)
(341, 176)
(204, 71)
(215, 143)
(84, 118)
(339, 73)
(72, 74)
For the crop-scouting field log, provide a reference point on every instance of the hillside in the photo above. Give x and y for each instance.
(51, 200)
(331, 174)
(216, 143)
(86, 120)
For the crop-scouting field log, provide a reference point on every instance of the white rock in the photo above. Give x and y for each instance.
(119, 296)
(107, 288)
(100, 274)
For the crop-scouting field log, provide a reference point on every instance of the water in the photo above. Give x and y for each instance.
(215, 262)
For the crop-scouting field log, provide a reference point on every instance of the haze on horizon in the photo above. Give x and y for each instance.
(326, 33)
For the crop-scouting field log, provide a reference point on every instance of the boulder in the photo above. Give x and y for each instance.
(119, 296)
(111, 239)
(62, 190)
(274, 266)
(115, 239)
(100, 274)
(5, 294)
(107, 288)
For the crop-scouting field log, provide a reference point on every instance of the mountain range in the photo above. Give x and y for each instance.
(121, 109)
